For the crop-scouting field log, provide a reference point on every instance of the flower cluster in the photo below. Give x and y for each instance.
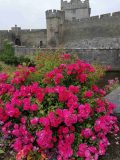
(112, 84)
(78, 71)
(68, 118)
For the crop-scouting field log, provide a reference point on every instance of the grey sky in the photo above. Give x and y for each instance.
(31, 13)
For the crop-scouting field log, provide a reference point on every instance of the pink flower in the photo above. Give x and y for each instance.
(65, 149)
(34, 107)
(95, 88)
(44, 121)
(65, 130)
(69, 118)
(102, 92)
(17, 145)
(87, 133)
(87, 152)
(34, 121)
(103, 144)
(20, 155)
(40, 96)
(66, 56)
(44, 139)
(88, 94)
(82, 149)
(74, 89)
(63, 94)
(54, 121)
(83, 78)
(105, 124)
(84, 111)
(16, 132)
(27, 103)
(24, 120)
(3, 77)
(58, 78)
(3, 116)
(11, 111)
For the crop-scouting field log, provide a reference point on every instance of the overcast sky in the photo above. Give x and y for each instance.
(31, 13)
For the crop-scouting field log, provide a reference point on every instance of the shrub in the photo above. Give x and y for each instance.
(8, 56)
(69, 118)
(47, 61)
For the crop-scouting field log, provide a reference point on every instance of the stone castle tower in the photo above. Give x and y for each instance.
(73, 10)
(55, 20)
(76, 9)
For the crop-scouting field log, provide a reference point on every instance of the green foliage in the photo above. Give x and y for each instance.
(1, 151)
(8, 56)
(47, 61)
(7, 53)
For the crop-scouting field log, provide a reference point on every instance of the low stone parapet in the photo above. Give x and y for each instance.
(106, 56)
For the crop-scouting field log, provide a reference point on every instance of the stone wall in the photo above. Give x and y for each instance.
(34, 37)
(27, 37)
(107, 25)
(100, 56)
(99, 42)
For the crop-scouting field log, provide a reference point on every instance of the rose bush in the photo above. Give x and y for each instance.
(67, 119)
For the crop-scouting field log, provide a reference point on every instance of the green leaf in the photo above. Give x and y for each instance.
(1, 151)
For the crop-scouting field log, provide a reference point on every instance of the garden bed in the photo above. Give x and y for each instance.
(56, 109)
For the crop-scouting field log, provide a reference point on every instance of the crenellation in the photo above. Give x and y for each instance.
(76, 9)
(108, 15)
(35, 30)
(116, 14)
(4, 31)
(73, 4)
(25, 30)
(94, 18)
(54, 13)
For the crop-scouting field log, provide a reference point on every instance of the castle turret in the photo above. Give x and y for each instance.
(55, 20)
(16, 35)
(16, 30)
(76, 9)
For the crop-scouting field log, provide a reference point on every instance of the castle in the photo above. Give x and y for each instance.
(70, 27)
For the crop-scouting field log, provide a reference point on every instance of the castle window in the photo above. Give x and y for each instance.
(41, 44)
(17, 42)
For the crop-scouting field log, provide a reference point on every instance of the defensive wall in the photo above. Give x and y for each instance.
(27, 37)
(98, 42)
(34, 37)
(106, 25)
(102, 56)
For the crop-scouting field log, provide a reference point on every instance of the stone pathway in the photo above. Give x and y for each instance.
(114, 97)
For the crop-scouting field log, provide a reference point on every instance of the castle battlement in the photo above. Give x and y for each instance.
(106, 17)
(23, 31)
(54, 13)
(4, 31)
(116, 13)
(74, 4)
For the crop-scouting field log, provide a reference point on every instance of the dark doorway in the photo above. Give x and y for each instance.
(41, 44)
(17, 42)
